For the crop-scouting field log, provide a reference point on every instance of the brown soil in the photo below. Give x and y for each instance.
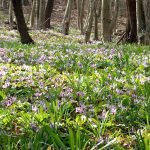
(58, 13)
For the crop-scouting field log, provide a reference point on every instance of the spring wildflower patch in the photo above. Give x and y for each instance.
(60, 94)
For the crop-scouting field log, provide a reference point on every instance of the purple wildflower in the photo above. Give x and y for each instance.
(8, 103)
(110, 76)
(113, 110)
(103, 115)
(80, 93)
(7, 84)
(93, 65)
(34, 108)
(62, 94)
(34, 127)
(37, 94)
(80, 65)
(79, 110)
(120, 92)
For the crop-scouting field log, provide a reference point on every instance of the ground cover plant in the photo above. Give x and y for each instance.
(63, 94)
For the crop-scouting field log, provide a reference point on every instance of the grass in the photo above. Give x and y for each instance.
(62, 94)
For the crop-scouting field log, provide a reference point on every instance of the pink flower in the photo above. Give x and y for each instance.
(80, 93)
(103, 115)
(113, 110)
(10, 100)
(119, 55)
(8, 103)
(62, 94)
(34, 108)
(145, 64)
(37, 94)
(7, 84)
(110, 76)
(93, 65)
(120, 92)
(80, 65)
(79, 110)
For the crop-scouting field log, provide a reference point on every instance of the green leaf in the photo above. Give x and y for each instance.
(55, 137)
(2, 96)
(71, 139)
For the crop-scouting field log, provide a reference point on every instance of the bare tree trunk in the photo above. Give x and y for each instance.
(37, 13)
(67, 17)
(79, 13)
(131, 32)
(26, 2)
(32, 16)
(22, 28)
(90, 21)
(108, 21)
(4, 4)
(10, 14)
(82, 16)
(80, 7)
(114, 19)
(147, 21)
(42, 14)
(48, 13)
(96, 20)
(141, 26)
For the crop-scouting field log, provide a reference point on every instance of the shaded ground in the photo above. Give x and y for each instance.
(58, 13)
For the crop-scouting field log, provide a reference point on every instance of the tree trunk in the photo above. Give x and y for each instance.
(114, 19)
(82, 16)
(90, 21)
(80, 8)
(147, 21)
(4, 4)
(26, 2)
(32, 16)
(22, 28)
(48, 13)
(67, 17)
(10, 14)
(42, 14)
(96, 20)
(37, 6)
(108, 21)
(131, 32)
(79, 13)
(141, 26)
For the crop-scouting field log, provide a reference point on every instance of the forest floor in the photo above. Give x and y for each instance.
(58, 14)
(63, 94)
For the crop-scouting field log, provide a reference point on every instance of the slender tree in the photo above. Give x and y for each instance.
(42, 14)
(96, 15)
(80, 8)
(90, 21)
(32, 15)
(67, 18)
(131, 29)
(10, 14)
(26, 2)
(37, 6)
(108, 20)
(146, 4)
(48, 13)
(22, 28)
